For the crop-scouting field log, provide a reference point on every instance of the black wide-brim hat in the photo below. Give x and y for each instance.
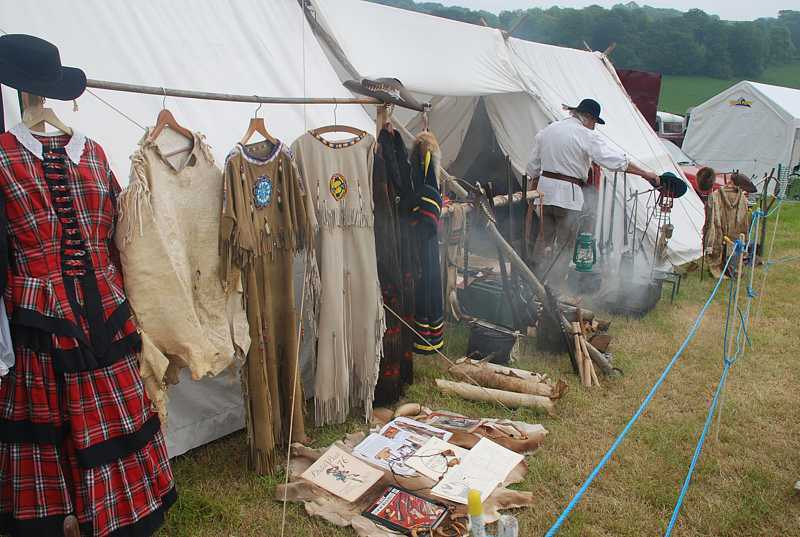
(33, 65)
(588, 106)
(387, 90)
(671, 185)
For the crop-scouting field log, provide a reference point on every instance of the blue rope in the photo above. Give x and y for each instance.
(743, 329)
(728, 361)
(730, 306)
(698, 449)
(585, 486)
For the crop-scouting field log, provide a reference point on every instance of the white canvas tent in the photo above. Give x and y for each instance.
(232, 46)
(750, 127)
(489, 92)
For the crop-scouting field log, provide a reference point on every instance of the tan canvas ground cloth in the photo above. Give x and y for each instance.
(266, 220)
(351, 323)
(169, 217)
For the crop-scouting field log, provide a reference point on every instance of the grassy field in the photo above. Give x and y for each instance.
(743, 484)
(680, 92)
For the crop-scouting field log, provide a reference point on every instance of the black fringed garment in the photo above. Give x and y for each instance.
(391, 182)
(428, 304)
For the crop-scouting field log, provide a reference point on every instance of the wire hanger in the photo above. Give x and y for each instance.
(257, 125)
(36, 115)
(166, 119)
(338, 128)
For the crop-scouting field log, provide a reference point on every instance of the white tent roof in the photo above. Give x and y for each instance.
(523, 86)
(787, 99)
(751, 127)
(231, 46)
(429, 54)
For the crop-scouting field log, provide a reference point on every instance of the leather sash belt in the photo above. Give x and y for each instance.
(565, 178)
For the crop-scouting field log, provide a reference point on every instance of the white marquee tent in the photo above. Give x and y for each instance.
(513, 87)
(231, 46)
(750, 127)
(267, 48)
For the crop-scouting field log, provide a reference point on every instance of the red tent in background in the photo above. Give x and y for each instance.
(644, 87)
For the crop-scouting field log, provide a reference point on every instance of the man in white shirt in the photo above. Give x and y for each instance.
(563, 153)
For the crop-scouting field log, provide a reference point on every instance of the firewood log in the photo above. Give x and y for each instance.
(589, 367)
(595, 380)
(600, 360)
(520, 373)
(490, 395)
(494, 379)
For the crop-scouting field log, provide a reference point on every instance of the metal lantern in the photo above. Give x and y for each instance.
(585, 254)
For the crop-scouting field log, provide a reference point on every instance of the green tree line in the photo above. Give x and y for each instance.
(652, 39)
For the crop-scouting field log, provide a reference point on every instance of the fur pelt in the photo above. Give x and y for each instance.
(426, 142)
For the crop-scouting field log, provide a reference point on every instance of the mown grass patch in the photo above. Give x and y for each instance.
(743, 484)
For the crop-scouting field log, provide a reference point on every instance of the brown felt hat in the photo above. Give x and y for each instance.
(705, 178)
(744, 182)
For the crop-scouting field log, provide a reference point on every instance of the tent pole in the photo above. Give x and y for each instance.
(328, 40)
(210, 96)
(499, 201)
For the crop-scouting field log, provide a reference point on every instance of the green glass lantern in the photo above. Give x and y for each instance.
(585, 254)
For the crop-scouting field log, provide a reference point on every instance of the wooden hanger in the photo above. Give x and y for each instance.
(166, 119)
(257, 125)
(36, 115)
(337, 128)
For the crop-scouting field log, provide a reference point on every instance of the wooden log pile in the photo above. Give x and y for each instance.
(589, 342)
(514, 388)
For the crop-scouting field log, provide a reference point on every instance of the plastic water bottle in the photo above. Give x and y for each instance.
(507, 526)
(475, 509)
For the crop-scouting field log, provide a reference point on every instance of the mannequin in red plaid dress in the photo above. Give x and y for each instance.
(77, 432)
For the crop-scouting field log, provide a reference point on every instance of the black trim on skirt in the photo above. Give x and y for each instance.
(119, 446)
(53, 526)
(28, 432)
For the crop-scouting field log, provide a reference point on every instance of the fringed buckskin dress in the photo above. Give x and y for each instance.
(77, 432)
(351, 322)
(266, 219)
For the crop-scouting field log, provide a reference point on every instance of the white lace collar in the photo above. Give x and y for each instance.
(25, 137)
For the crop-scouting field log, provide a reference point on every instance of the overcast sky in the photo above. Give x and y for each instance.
(726, 9)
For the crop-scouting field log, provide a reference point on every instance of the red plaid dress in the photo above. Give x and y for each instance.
(77, 433)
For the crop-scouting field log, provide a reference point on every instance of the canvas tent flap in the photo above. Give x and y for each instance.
(749, 127)
(234, 46)
(428, 54)
(450, 118)
(515, 119)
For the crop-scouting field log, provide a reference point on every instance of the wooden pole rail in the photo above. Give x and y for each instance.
(230, 97)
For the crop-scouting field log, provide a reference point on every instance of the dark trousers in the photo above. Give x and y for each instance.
(551, 236)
